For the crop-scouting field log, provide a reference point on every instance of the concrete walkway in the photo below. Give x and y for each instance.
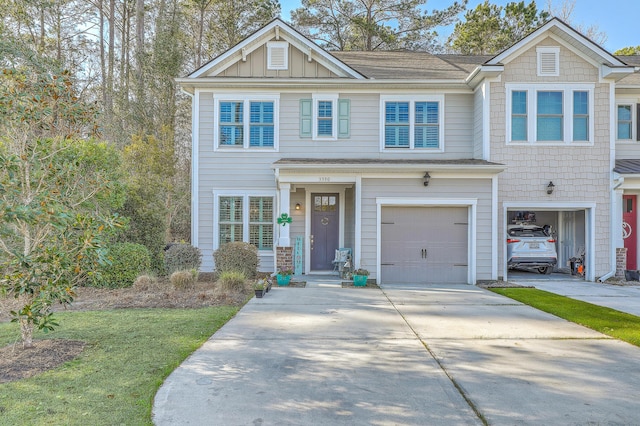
(402, 355)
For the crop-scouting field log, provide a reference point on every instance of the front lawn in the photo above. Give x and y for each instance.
(607, 321)
(127, 356)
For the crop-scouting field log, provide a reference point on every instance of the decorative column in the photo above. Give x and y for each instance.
(285, 201)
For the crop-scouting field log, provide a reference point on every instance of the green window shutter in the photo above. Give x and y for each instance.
(344, 118)
(305, 118)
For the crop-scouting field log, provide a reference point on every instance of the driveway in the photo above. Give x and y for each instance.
(401, 355)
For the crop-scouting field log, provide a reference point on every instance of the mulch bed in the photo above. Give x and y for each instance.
(349, 284)
(292, 284)
(17, 363)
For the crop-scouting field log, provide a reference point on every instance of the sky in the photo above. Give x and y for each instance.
(618, 19)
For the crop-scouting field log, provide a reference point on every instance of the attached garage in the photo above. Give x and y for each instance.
(424, 244)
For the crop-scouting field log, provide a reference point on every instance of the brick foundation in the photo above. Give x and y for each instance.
(621, 262)
(284, 258)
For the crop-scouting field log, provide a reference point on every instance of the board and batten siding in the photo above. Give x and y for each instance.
(444, 188)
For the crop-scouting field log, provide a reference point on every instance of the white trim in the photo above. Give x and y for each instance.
(357, 255)
(589, 220)
(625, 101)
(328, 97)
(195, 168)
(412, 99)
(486, 121)
(494, 228)
(567, 90)
(543, 52)
(471, 203)
(246, 99)
(271, 45)
(257, 39)
(245, 194)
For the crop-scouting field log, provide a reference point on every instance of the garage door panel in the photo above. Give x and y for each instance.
(424, 244)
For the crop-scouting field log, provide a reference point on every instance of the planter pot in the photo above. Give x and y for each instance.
(360, 280)
(283, 279)
(259, 293)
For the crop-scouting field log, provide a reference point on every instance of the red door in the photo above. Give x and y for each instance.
(629, 230)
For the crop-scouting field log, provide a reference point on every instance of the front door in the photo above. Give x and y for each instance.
(324, 230)
(629, 230)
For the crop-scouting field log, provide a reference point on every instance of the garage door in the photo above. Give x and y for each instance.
(424, 245)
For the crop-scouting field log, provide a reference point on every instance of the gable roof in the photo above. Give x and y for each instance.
(563, 32)
(280, 30)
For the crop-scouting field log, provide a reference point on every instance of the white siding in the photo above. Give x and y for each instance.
(478, 128)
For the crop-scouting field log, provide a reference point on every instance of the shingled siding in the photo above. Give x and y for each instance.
(580, 173)
(479, 189)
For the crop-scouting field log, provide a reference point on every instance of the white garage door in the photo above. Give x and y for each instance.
(424, 245)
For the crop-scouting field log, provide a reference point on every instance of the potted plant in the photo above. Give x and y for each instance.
(360, 277)
(258, 288)
(284, 276)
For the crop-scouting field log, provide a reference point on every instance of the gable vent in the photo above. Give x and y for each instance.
(277, 55)
(548, 61)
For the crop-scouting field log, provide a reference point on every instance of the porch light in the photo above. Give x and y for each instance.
(298, 206)
(550, 188)
(426, 178)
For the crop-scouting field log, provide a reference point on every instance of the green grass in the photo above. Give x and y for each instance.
(607, 321)
(129, 353)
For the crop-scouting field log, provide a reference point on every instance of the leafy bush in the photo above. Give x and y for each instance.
(237, 257)
(232, 281)
(127, 262)
(179, 257)
(181, 280)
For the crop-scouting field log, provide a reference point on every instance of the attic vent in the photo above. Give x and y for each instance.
(548, 61)
(277, 55)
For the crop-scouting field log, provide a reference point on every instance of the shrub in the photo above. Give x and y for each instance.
(145, 282)
(181, 280)
(128, 261)
(237, 257)
(180, 257)
(232, 281)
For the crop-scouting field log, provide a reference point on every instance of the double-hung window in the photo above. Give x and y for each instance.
(245, 217)
(246, 121)
(627, 118)
(550, 113)
(325, 116)
(412, 123)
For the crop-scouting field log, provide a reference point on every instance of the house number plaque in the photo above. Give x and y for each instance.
(324, 179)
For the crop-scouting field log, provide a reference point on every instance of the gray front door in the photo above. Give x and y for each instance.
(424, 245)
(324, 230)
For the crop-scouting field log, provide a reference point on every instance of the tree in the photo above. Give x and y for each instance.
(630, 50)
(57, 191)
(489, 29)
(373, 24)
(564, 13)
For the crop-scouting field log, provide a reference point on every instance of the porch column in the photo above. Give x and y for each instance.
(616, 220)
(285, 201)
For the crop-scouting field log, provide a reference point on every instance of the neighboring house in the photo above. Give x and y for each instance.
(345, 142)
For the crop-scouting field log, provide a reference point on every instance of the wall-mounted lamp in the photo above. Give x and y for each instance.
(550, 188)
(298, 206)
(426, 178)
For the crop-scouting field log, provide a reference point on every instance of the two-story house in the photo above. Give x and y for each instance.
(416, 162)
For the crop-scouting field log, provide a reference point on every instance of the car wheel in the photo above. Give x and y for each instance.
(547, 270)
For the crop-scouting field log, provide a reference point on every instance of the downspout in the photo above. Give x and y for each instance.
(614, 212)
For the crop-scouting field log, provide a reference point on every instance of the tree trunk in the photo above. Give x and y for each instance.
(26, 330)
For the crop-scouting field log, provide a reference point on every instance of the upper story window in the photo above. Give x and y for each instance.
(560, 114)
(627, 121)
(325, 117)
(548, 61)
(246, 121)
(415, 123)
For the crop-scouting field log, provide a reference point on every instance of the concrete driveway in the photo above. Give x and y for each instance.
(428, 355)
